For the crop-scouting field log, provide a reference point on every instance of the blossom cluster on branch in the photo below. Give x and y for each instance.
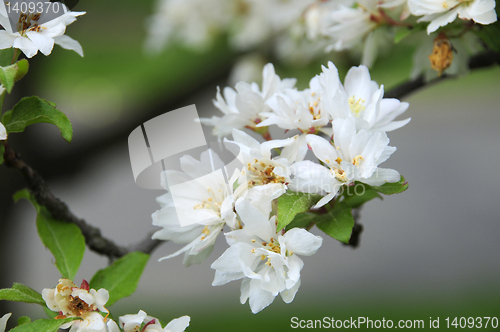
(300, 31)
(345, 127)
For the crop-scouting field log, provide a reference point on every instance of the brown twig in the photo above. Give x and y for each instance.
(60, 211)
(482, 60)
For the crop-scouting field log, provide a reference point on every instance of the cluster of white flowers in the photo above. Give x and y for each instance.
(306, 28)
(31, 37)
(71, 301)
(343, 125)
(196, 22)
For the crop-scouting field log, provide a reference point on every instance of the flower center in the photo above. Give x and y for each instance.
(356, 106)
(261, 173)
(340, 175)
(28, 22)
(211, 203)
(78, 307)
(271, 246)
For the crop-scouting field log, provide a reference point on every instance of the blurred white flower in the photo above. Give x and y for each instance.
(144, 323)
(196, 210)
(258, 20)
(3, 321)
(267, 262)
(442, 12)
(352, 156)
(193, 22)
(34, 37)
(360, 99)
(3, 132)
(241, 108)
(72, 301)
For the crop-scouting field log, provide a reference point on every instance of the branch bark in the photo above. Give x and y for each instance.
(60, 211)
(482, 60)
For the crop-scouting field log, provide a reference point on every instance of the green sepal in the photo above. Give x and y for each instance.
(292, 203)
(13, 73)
(21, 293)
(23, 320)
(121, 277)
(64, 240)
(43, 325)
(50, 313)
(338, 222)
(403, 32)
(31, 110)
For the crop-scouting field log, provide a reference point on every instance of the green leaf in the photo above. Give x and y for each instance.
(31, 110)
(2, 150)
(340, 222)
(63, 239)
(21, 293)
(23, 320)
(6, 117)
(6, 56)
(304, 220)
(121, 277)
(13, 73)
(393, 188)
(43, 325)
(289, 204)
(358, 197)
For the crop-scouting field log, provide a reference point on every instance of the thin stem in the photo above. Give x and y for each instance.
(17, 52)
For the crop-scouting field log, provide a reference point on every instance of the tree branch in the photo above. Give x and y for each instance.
(482, 60)
(60, 211)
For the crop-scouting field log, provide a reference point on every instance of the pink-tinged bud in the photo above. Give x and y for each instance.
(257, 121)
(150, 323)
(85, 285)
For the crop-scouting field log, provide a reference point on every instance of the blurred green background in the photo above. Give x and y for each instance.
(430, 252)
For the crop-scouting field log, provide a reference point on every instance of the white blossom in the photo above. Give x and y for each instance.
(292, 109)
(3, 321)
(34, 37)
(196, 210)
(262, 174)
(241, 107)
(259, 20)
(352, 156)
(73, 301)
(3, 132)
(360, 99)
(268, 263)
(144, 323)
(442, 12)
(193, 22)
